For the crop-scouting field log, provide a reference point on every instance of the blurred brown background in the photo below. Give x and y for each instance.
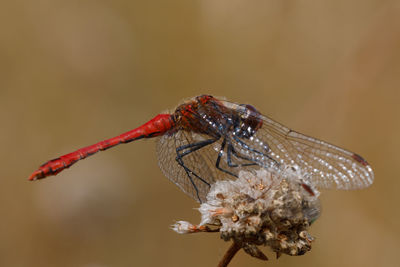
(76, 72)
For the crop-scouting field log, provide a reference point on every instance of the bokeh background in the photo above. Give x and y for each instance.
(76, 72)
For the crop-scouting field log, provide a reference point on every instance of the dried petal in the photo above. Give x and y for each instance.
(254, 251)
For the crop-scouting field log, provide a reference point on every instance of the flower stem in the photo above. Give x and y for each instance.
(233, 249)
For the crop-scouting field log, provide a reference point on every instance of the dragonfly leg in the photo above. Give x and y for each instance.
(192, 148)
(244, 145)
(230, 152)
(221, 152)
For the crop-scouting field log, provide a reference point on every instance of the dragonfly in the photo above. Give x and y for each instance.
(208, 139)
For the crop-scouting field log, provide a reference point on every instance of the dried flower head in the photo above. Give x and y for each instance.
(264, 207)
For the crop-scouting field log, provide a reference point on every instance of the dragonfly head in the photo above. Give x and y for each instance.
(250, 121)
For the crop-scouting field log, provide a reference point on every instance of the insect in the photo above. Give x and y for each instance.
(207, 139)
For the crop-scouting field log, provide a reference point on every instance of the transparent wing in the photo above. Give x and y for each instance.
(194, 163)
(201, 165)
(327, 166)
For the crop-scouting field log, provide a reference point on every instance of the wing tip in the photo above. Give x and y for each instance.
(360, 159)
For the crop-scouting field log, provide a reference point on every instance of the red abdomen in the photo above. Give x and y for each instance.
(155, 127)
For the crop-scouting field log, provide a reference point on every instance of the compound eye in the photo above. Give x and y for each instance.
(247, 111)
(250, 117)
(251, 108)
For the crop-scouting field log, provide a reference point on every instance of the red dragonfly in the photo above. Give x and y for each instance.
(207, 139)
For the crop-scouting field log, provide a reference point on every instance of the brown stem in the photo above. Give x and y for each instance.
(233, 249)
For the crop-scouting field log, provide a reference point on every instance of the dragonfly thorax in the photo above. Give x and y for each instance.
(208, 115)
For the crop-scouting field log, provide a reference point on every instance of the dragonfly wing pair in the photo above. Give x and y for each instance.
(194, 161)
